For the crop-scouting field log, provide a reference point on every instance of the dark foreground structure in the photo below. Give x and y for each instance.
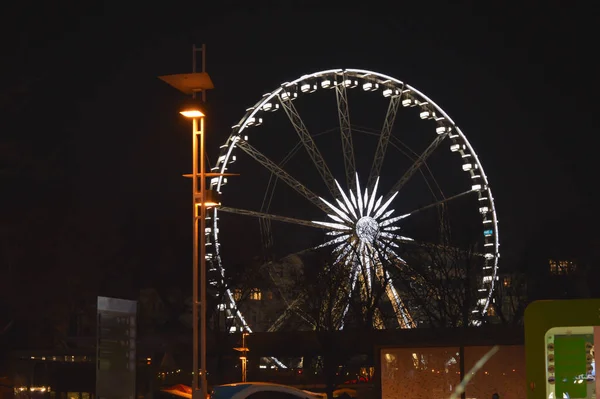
(428, 361)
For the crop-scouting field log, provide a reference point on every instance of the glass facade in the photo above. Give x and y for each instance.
(434, 373)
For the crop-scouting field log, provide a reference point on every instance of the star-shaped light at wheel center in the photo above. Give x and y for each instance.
(364, 234)
(363, 215)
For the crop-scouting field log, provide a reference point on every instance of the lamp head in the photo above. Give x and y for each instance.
(192, 109)
(212, 199)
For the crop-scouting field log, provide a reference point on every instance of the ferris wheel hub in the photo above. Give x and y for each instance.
(367, 229)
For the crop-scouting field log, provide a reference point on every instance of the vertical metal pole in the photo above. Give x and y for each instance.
(461, 366)
(199, 326)
(244, 368)
(194, 50)
(244, 356)
(203, 69)
(202, 265)
(195, 258)
(203, 246)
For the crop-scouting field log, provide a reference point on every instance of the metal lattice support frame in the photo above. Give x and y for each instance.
(384, 139)
(417, 165)
(262, 215)
(347, 209)
(281, 174)
(341, 96)
(309, 145)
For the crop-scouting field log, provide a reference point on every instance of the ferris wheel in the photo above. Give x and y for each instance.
(319, 177)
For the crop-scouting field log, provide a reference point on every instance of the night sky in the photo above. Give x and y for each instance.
(90, 136)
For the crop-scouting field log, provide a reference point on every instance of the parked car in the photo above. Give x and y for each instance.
(260, 390)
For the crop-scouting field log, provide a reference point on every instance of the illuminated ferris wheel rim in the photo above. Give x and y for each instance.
(307, 84)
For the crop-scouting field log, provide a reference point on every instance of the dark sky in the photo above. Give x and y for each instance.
(88, 129)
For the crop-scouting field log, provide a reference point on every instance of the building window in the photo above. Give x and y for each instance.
(566, 266)
(269, 295)
(255, 294)
(237, 294)
(561, 266)
(491, 311)
(506, 281)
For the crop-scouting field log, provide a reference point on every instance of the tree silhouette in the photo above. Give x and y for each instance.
(439, 284)
(325, 291)
(510, 298)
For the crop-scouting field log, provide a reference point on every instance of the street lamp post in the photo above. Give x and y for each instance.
(199, 214)
(244, 357)
(193, 83)
(202, 199)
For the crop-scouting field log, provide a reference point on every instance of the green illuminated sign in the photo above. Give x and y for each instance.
(570, 366)
(560, 341)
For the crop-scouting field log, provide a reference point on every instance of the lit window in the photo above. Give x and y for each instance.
(491, 311)
(566, 266)
(255, 294)
(237, 294)
(562, 266)
(506, 281)
(553, 266)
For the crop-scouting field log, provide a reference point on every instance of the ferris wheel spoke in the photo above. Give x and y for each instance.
(272, 183)
(309, 145)
(384, 139)
(268, 216)
(353, 278)
(266, 236)
(387, 254)
(405, 150)
(281, 174)
(413, 156)
(417, 164)
(292, 309)
(355, 257)
(402, 314)
(341, 96)
(365, 269)
(265, 224)
(439, 247)
(439, 203)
